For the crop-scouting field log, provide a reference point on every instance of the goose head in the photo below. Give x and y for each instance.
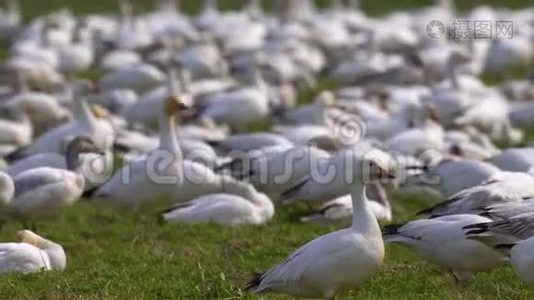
(55, 253)
(377, 165)
(80, 145)
(173, 105)
(7, 188)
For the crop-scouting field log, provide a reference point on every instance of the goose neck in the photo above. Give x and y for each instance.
(72, 157)
(168, 140)
(363, 219)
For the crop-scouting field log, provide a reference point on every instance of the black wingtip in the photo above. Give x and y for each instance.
(254, 281)
(504, 246)
(391, 229)
(16, 155)
(476, 228)
(426, 211)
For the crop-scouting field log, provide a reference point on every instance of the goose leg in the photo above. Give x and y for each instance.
(461, 278)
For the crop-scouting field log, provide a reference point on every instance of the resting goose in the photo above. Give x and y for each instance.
(275, 169)
(441, 241)
(515, 159)
(340, 209)
(17, 131)
(502, 187)
(32, 254)
(139, 78)
(450, 175)
(338, 261)
(44, 190)
(85, 123)
(93, 165)
(238, 203)
(506, 210)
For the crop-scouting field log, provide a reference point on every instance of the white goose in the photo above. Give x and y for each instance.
(336, 262)
(17, 132)
(85, 123)
(515, 159)
(44, 190)
(90, 163)
(140, 78)
(500, 188)
(441, 241)
(340, 209)
(32, 254)
(132, 185)
(162, 174)
(326, 181)
(238, 203)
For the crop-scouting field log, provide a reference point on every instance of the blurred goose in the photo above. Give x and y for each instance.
(240, 107)
(243, 143)
(338, 261)
(340, 209)
(139, 78)
(17, 131)
(32, 254)
(238, 203)
(42, 191)
(441, 241)
(9, 19)
(500, 188)
(85, 123)
(90, 163)
(451, 176)
(521, 258)
(515, 159)
(312, 113)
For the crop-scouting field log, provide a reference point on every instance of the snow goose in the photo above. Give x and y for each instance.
(42, 191)
(18, 130)
(9, 19)
(506, 210)
(340, 209)
(327, 180)
(515, 159)
(339, 261)
(7, 188)
(238, 203)
(32, 254)
(311, 113)
(451, 175)
(242, 106)
(275, 169)
(500, 188)
(43, 109)
(140, 78)
(91, 164)
(416, 140)
(78, 56)
(243, 143)
(85, 123)
(161, 174)
(142, 180)
(521, 258)
(441, 241)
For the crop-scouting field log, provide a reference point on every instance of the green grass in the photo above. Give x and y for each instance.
(117, 256)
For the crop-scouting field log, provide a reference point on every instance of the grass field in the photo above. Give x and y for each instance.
(116, 256)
